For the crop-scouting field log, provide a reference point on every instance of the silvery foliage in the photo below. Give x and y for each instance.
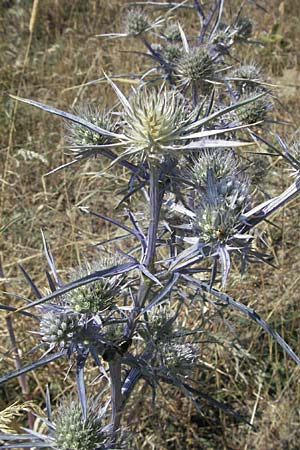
(180, 134)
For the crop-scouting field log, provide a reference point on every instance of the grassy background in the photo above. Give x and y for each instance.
(44, 54)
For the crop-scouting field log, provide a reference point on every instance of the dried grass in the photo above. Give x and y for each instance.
(49, 53)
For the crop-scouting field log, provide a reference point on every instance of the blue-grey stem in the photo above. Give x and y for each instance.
(116, 395)
(155, 206)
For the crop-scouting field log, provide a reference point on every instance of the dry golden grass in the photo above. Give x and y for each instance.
(48, 48)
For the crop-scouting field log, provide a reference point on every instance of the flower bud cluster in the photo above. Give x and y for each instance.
(247, 78)
(95, 297)
(72, 432)
(136, 22)
(179, 358)
(79, 135)
(60, 329)
(195, 66)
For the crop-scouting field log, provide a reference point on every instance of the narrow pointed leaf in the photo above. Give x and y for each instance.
(32, 366)
(115, 270)
(66, 115)
(249, 312)
(80, 383)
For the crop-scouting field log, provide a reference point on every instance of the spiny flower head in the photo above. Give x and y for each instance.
(159, 322)
(172, 33)
(244, 28)
(72, 432)
(218, 162)
(60, 329)
(194, 66)
(154, 121)
(255, 111)
(136, 22)
(171, 52)
(247, 78)
(80, 135)
(179, 358)
(97, 296)
(220, 212)
(294, 153)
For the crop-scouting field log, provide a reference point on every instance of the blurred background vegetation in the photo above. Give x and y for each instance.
(47, 53)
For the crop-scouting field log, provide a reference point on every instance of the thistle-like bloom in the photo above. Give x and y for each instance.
(217, 222)
(293, 156)
(179, 358)
(171, 52)
(172, 33)
(254, 112)
(136, 22)
(160, 321)
(72, 432)
(98, 296)
(244, 28)
(195, 66)
(217, 162)
(155, 119)
(60, 329)
(79, 135)
(246, 78)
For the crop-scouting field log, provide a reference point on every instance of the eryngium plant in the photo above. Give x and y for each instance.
(190, 208)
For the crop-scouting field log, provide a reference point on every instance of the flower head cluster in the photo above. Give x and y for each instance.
(195, 66)
(97, 296)
(60, 329)
(154, 121)
(179, 358)
(136, 22)
(72, 432)
(246, 78)
(79, 135)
